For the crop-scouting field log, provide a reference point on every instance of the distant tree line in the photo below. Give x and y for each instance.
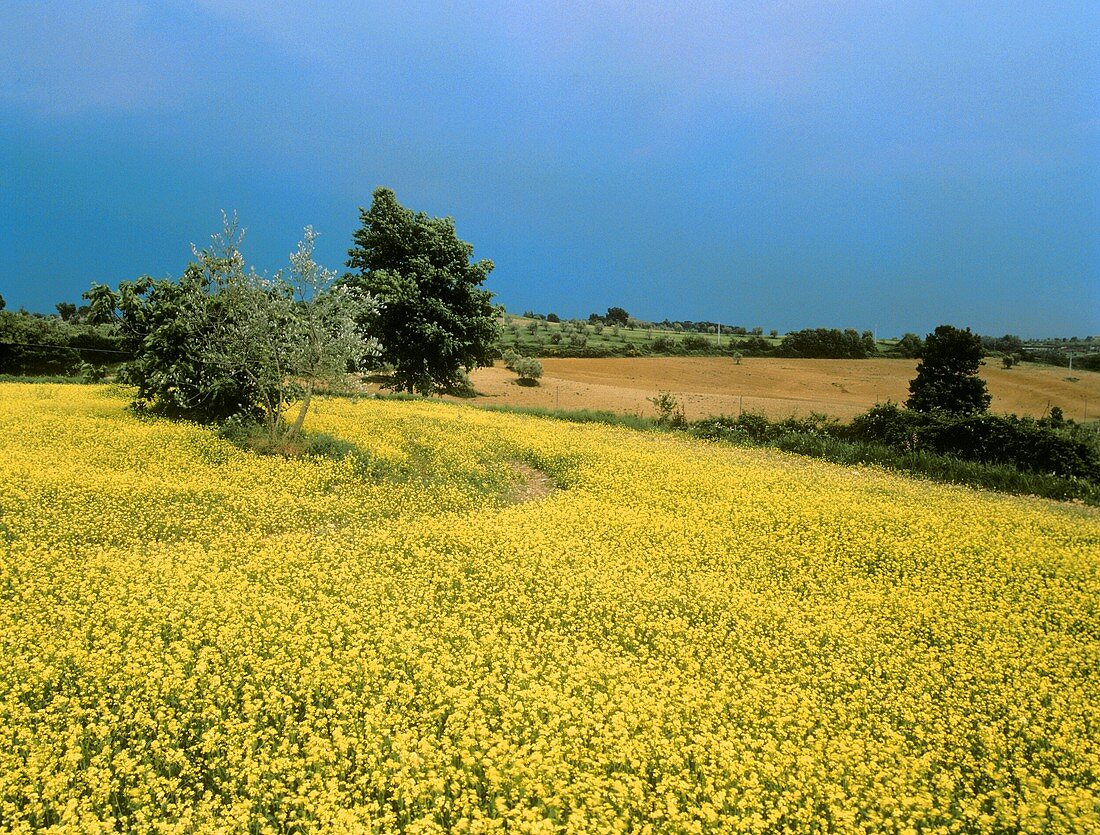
(828, 343)
(58, 345)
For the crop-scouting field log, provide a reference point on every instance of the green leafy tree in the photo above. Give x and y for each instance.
(616, 316)
(433, 321)
(826, 343)
(164, 334)
(910, 346)
(947, 376)
(3, 303)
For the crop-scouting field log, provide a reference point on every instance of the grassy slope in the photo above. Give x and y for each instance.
(517, 335)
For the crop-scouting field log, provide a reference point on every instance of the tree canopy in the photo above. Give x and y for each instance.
(616, 316)
(432, 320)
(828, 343)
(909, 346)
(947, 376)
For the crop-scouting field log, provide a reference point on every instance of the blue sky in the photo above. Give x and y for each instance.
(775, 164)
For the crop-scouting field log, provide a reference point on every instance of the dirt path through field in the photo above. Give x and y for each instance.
(775, 387)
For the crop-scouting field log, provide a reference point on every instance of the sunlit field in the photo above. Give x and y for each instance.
(683, 638)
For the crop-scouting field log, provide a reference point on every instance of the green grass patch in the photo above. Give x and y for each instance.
(817, 443)
(46, 378)
(581, 416)
(944, 468)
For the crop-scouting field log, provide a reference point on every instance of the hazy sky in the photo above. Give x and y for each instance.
(782, 164)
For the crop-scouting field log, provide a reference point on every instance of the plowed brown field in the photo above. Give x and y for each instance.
(775, 387)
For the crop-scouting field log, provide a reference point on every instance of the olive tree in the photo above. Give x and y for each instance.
(224, 341)
(287, 335)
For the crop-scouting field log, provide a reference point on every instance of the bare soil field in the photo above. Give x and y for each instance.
(774, 387)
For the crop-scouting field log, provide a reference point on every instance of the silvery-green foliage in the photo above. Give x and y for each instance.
(287, 333)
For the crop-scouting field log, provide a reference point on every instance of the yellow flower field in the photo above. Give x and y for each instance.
(686, 638)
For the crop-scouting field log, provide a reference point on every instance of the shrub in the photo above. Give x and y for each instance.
(887, 423)
(46, 345)
(1025, 443)
(752, 347)
(694, 342)
(669, 410)
(91, 373)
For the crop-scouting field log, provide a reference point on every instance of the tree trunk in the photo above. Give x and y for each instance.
(296, 427)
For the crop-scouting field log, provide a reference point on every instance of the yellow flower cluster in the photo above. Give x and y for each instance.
(685, 638)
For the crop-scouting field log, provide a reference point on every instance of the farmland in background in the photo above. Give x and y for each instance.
(774, 387)
(538, 337)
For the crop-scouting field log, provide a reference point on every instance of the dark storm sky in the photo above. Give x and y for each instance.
(781, 164)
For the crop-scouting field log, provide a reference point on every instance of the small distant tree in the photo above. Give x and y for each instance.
(824, 343)
(947, 376)
(1007, 344)
(3, 303)
(66, 310)
(910, 346)
(616, 316)
(552, 317)
(528, 369)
